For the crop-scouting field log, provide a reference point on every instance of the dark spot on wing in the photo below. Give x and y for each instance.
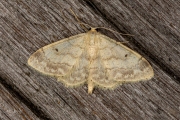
(56, 49)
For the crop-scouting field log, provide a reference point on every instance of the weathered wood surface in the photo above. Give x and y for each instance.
(11, 107)
(25, 26)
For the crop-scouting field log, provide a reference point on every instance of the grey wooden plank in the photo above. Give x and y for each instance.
(12, 108)
(29, 25)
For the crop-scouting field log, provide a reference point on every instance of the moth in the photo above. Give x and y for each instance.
(91, 58)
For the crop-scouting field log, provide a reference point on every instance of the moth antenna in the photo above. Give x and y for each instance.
(114, 31)
(84, 24)
(81, 23)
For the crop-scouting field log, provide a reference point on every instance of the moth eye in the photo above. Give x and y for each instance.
(89, 29)
(97, 29)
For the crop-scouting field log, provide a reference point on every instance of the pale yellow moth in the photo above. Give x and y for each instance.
(91, 58)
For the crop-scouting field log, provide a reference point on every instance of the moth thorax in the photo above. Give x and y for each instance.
(92, 52)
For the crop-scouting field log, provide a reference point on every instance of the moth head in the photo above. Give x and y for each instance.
(93, 29)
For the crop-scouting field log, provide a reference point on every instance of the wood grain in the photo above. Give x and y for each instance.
(13, 108)
(25, 26)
